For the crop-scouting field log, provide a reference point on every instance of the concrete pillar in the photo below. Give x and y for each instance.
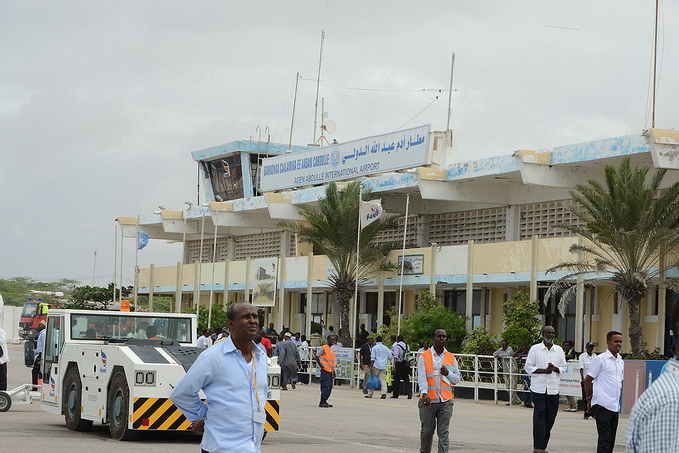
(226, 283)
(178, 289)
(470, 285)
(152, 285)
(280, 283)
(380, 301)
(580, 308)
(534, 268)
(309, 295)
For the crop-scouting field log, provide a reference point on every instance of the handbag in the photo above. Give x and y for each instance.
(373, 382)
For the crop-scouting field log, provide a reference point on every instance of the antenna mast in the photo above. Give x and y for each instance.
(655, 63)
(450, 92)
(318, 82)
(294, 106)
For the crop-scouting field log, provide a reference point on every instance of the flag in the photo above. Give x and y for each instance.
(142, 239)
(370, 211)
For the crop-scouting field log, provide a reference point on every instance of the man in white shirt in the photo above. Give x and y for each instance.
(506, 356)
(603, 386)
(584, 361)
(204, 341)
(545, 363)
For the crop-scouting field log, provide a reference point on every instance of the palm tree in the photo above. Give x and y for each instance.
(631, 229)
(333, 231)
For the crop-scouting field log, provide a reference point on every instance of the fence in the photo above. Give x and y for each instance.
(476, 371)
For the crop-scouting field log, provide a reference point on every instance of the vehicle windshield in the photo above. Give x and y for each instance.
(30, 310)
(113, 327)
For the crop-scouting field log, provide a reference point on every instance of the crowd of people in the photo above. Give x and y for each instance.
(233, 375)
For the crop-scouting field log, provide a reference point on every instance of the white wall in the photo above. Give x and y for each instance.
(10, 322)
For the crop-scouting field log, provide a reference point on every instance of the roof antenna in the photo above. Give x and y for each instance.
(318, 82)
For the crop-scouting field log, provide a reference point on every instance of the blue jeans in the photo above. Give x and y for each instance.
(326, 385)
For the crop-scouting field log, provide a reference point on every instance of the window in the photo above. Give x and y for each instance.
(114, 327)
(53, 339)
(456, 300)
(564, 326)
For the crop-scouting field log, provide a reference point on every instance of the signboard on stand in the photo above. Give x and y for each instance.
(344, 362)
(570, 381)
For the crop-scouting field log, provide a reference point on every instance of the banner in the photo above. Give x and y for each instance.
(264, 272)
(380, 154)
(370, 211)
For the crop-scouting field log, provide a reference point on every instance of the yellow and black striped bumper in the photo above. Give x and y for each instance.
(160, 414)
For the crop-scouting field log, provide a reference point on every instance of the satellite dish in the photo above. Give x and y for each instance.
(330, 126)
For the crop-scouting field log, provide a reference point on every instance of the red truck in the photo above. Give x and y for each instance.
(35, 311)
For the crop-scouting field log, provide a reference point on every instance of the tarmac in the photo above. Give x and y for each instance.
(354, 423)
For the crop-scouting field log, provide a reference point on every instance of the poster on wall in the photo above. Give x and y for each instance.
(416, 265)
(264, 272)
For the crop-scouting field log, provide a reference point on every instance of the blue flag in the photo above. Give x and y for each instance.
(142, 239)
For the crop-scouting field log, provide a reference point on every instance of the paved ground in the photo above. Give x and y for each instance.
(354, 424)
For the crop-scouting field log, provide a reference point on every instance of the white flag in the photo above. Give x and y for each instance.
(370, 211)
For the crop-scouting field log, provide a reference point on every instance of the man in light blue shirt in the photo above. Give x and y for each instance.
(379, 361)
(37, 354)
(233, 376)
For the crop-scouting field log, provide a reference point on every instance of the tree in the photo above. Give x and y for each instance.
(83, 296)
(428, 315)
(479, 342)
(521, 320)
(218, 318)
(16, 290)
(332, 229)
(631, 227)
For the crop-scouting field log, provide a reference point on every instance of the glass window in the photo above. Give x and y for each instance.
(53, 339)
(226, 177)
(30, 310)
(114, 327)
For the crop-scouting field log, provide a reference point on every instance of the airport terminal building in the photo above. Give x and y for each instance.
(482, 230)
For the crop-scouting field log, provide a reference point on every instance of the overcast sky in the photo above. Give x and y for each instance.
(101, 103)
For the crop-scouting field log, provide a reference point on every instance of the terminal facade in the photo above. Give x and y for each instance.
(479, 230)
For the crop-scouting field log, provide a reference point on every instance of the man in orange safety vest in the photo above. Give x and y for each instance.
(326, 361)
(437, 372)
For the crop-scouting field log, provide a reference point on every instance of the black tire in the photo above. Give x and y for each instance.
(5, 401)
(73, 402)
(119, 408)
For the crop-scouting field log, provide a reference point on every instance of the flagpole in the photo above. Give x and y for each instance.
(136, 270)
(403, 262)
(122, 248)
(115, 258)
(196, 290)
(358, 248)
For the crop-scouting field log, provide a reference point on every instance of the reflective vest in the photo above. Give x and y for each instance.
(446, 389)
(327, 359)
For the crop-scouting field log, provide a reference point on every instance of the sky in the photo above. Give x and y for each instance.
(102, 102)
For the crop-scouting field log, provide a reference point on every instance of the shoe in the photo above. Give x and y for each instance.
(365, 392)
(410, 396)
(394, 396)
(324, 404)
(294, 386)
(384, 396)
(530, 406)
(284, 388)
(367, 396)
(570, 410)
